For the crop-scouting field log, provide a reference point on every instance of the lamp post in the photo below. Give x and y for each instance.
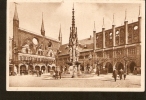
(125, 60)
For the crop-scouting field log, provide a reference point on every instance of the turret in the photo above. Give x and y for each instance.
(103, 32)
(94, 37)
(126, 28)
(113, 31)
(60, 35)
(139, 24)
(42, 27)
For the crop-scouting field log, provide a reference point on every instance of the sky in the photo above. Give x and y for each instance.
(60, 13)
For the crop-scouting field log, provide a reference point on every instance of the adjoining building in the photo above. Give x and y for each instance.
(118, 47)
(31, 51)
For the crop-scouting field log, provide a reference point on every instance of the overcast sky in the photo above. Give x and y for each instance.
(54, 14)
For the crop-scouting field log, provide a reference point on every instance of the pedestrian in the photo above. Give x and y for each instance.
(115, 74)
(98, 72)
(120, 73)
(40, 73)
(37, 73)
(60, 74)
(124, 76)
(56, 74)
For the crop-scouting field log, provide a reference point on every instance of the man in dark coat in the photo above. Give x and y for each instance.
(120, 73)
(124, 76)
(115, 74)
(60, 74)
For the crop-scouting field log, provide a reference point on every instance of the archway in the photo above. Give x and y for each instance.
(43, 68)
(132, 66)
(109, 67)
(53, 68)
(22, 69)
(49, 68)
(37, 68)
(30, 69)
(119, 66)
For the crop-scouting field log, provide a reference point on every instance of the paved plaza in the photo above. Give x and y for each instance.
(131, 81)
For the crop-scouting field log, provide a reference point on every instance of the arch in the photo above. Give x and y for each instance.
(43, 68)
(132, 66)
(119, 66)
(22, 67)
(109, 67)
(53, 68)
(49, 68)
(37, 68)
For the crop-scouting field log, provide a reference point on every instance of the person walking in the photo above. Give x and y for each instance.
(60, 74)
(115, 74)
(120, 73)
(124, 75)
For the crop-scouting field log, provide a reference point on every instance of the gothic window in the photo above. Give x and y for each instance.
(49, 44)
(122, 36)
(130, 31)
(99, 40)
(117, 37)
(111, 35)
(135, 33)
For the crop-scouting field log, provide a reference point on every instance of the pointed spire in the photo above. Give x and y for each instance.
(60, 34)
(103, 23)
(73, 6)
(139, 11)
(113, 19)
(94, 27)
(126, 15)
(42, 27)
(15, 13)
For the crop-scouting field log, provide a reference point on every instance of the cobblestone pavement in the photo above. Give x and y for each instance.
(132, 81)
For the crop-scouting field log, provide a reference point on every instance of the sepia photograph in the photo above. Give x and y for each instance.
(75, 45)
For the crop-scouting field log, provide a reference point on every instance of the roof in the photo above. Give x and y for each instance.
(84, 46)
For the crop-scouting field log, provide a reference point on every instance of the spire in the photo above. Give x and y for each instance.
(15, 13)
(126, 15)
(113, 20)
(73, 19)
(139, 11)
(94, 27)
(42, 27)
(103, 23)
(60, 34)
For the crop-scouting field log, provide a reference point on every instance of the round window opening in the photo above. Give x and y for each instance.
(35, 41)
(135, 27)
(117, 32)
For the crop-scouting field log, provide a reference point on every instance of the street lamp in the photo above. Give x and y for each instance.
(125, 60)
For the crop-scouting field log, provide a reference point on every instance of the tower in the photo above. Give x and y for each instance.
(15, 27)
(73, 40)
(60, 35)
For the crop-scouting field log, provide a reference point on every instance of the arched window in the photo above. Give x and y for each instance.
(111, 34)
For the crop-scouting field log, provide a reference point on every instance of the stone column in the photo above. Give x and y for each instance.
(126, 32)
(19, 69)
(103, 32)
(113, 30)
(139, 28)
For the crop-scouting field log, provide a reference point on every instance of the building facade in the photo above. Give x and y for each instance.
(118, 47)
(31, 51)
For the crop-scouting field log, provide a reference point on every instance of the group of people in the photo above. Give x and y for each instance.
(57, 74)
(120, 73)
